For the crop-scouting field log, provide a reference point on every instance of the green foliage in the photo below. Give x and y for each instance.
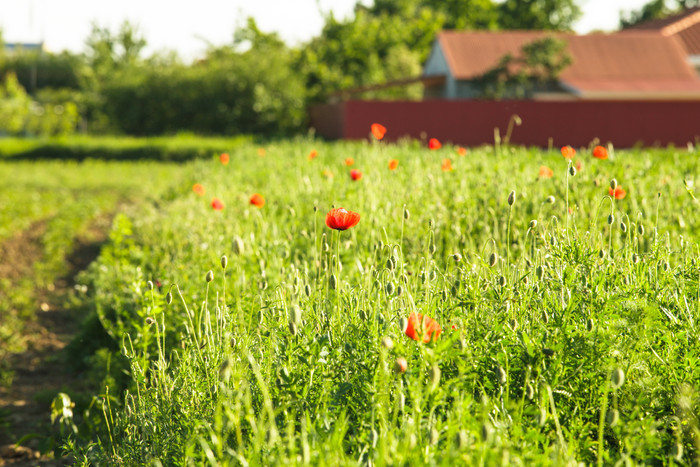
(548, 327)
(547, 15)
(537, 68)
(654, 9)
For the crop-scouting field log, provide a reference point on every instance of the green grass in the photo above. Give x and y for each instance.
(283, 358)
(179, 148)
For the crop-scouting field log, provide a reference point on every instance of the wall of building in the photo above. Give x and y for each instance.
(472, 123)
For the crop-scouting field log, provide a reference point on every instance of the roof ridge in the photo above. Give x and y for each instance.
(684, 22)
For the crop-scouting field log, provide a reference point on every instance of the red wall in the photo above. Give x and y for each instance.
(467, 122)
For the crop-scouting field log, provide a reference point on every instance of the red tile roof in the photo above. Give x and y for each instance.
(684, 25)
(632, 62)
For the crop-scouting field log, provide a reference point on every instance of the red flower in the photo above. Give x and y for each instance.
(393, 164)
(599, 152)
(579, 166)
(216, 204)
(349, 161)
(434, 143)
(199, 189)
(313, 154)
(546, 172)
(422, 328)
(341, 219)
(462, 151)
(355, 174)
(568, 152)
(224, 158)
(257, 200)
(378, 130)
(261, 152)
(446, 165)
(618, 192)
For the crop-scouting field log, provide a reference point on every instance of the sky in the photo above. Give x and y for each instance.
(189, 27)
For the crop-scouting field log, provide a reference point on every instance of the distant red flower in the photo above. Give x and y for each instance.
(341, 219)
(462, 151)
(261, 152)
(599, 152)
(216, 204)
(198, 188)
(579, 165)
(434, 143)
(224, 158)
(393, 164)
(568, 152)
(422, 328)
(546, 172)
(446, 165)
(378, 130)
(349, 161)
(355, 174)
(618, 192)
(257, 200)
(313, 154)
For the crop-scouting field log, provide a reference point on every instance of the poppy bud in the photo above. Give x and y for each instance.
(601, 254)
(501, 375)
(492, 259)
(406, 214)
(640, 230)
(540, 272)
(545, 316)
(150, 321)
(511, 198)
(623, 227)
(149, 284)
(635, 258)
(292, 328)
(502, 281)
(168, 298)
(391, 263)
(431, 223)
(389, 287)
(529, 391)
(572, 170)
(423, 277)
(296, 314)
(307, 290)
(590, 324)
(457, 257)
(210, 276)
(433, 275)
(612, 417)
(403, 324)
(333, 282)
(224, 262)
(542, 417)
(550, 199)
(432, 248)
(400, 365)
(611, 219)
(238, 245)
(613, 184)
(533, 224)
(399, 291)
(617, 378)
(387, 343)
(486, 432)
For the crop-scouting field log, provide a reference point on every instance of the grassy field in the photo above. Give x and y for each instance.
(568, 318)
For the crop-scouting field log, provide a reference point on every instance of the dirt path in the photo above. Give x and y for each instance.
(39, 372)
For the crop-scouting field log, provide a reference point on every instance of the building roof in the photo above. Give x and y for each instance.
(684, 25)
(634, 63)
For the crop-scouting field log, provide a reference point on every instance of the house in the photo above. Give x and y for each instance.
(18, 47)
(684, 26)
(636, 65)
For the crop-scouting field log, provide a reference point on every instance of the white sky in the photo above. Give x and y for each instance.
(187, 26)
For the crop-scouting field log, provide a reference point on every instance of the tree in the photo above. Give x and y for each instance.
(655, 9)
(547, 15)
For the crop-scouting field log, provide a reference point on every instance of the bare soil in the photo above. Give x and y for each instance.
(38, 371)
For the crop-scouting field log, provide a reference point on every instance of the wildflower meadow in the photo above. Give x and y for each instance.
(413, 303)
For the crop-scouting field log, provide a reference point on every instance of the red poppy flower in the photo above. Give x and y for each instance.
(378, 130)
(198, 188)
(446, 165)
(579, 166)
(349, 161)
(224, 158)
(462, 151)
(568, 152)
(216, 204)
(434, 143)
(257, 200)
(261, 152)
(393, 164)
(355, 174)
(313, 154)
(341, 219)
(546, 172)
(422, 328)
(618, 192)
(599, 152)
